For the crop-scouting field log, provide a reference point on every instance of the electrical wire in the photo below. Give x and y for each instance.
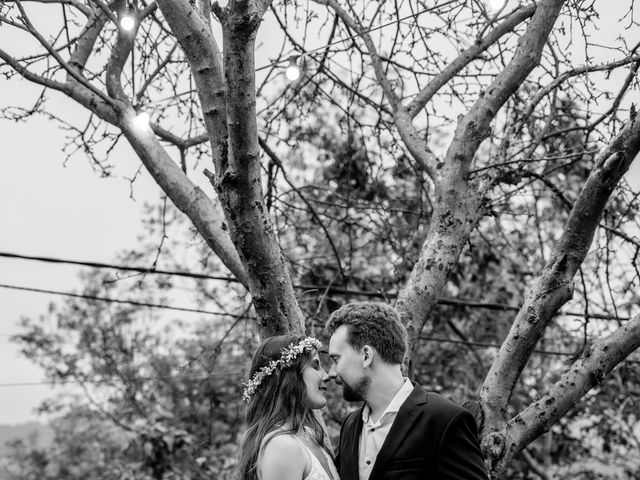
(331, 289)
(116, 300)
(117, 267)
(110, 380)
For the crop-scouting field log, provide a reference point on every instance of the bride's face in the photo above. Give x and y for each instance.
(315, 380)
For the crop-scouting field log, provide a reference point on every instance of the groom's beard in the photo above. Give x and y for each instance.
(357, 392)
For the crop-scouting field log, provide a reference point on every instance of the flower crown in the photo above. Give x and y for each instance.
(289, 354)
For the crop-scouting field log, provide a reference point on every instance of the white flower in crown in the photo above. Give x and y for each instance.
(289, 354)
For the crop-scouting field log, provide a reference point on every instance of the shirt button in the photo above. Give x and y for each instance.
(373, 429)
(368, 462)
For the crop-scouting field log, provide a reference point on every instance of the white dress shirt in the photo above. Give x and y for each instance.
(373, 434)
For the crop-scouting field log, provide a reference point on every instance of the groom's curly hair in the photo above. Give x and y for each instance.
(372, 323)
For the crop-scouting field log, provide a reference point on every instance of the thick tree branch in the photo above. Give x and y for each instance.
(119, 54)
(458, 202)
(96, 21)
(587, 372)
(240, 186)
(555, 284)
(230, 120)
(205, 59)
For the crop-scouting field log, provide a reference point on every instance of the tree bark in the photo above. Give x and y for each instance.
(552, 290)
(188, 197)
(228, 103)
(459, 201)
(587, 372)
(555, 284)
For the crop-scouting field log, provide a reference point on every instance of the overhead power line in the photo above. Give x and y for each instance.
(336, 290)
(117, 300)
(128, 268)
(110, 380)
(491, 345)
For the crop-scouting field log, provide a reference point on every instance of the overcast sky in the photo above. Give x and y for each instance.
(51, 210)
(68, 211)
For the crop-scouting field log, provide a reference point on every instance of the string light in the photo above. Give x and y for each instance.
(496, 5)
(128, 18)
(142, 120)
(293, 70)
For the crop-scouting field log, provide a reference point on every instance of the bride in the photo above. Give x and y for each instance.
(283, 438)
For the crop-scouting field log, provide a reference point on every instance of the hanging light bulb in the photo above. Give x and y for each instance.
(293, 70)
(496, 5)
(142, 120)
(128, 18)
(223, 3)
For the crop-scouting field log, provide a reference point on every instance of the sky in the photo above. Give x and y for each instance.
(49, 208)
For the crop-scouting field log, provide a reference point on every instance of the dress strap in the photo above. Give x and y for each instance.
(306, 450)
(316, 465)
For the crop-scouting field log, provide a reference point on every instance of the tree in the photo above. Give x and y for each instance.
(476, 123)
(154, 397)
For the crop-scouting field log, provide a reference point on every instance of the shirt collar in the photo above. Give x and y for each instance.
(394, 405)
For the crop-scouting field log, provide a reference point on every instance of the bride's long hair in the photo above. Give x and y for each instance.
(279, 403)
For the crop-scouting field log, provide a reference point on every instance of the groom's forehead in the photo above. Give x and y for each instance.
(339, 341)
(339, 338)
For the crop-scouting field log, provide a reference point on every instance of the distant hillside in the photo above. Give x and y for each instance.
(30, 432)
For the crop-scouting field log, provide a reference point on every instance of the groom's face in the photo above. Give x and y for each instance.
(347, 367)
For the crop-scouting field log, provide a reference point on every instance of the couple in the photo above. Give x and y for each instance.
(401, 431)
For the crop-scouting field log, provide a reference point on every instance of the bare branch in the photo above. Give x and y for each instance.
(272, 155)
(188, 197)
(415, 144)
(240, 185)
(467, 56)
(71, 71)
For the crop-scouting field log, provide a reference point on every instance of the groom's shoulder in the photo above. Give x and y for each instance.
(436, 403)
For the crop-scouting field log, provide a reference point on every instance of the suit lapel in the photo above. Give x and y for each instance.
(406, 417)
(349, 455)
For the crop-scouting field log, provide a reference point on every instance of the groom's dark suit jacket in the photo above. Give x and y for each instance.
(431, 438)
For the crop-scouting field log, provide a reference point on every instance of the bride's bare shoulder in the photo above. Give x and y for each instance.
(282, 459)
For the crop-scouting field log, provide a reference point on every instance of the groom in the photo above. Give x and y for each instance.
(402, 431)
